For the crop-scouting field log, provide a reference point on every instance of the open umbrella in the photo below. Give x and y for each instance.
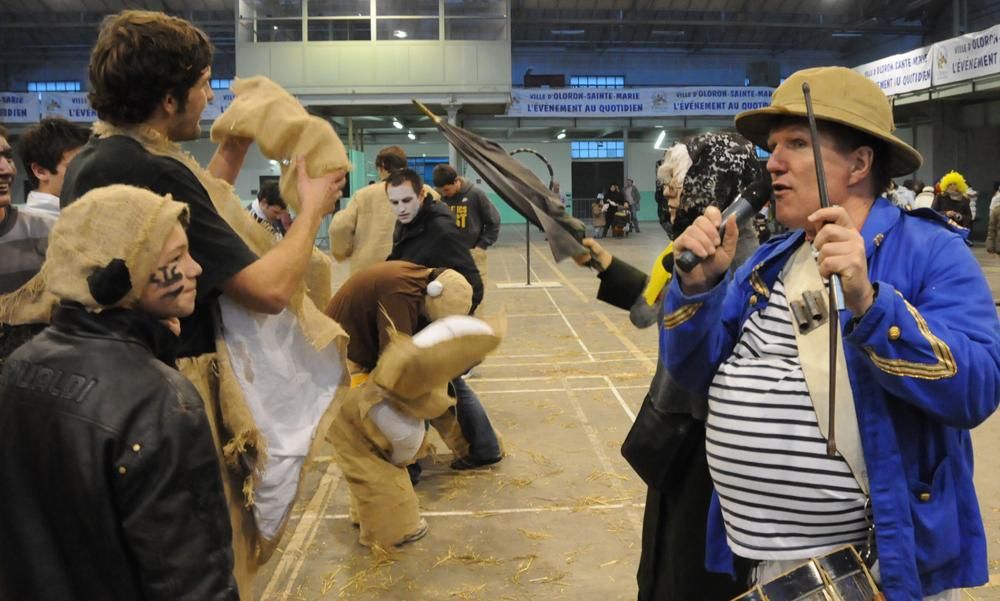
(518, 186)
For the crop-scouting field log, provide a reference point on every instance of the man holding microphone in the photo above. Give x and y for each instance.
(919, 363)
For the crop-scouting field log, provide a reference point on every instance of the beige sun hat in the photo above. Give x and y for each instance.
(104, 247)
(840, 95)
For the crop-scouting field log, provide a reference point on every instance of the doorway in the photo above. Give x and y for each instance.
(590, 178)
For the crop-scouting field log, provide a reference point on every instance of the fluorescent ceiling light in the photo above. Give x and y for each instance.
(411, 135)
(399, 33)
(275, 27)
(677, 33)
(568, 31)
(847, 34)
(396, 123)
(659, 139)
(561, 135)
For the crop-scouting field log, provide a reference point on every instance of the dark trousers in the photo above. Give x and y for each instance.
(672, 564)
(474, 422)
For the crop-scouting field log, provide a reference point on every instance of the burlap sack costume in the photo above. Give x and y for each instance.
(362, 231)
(242, 448)
(281, 127)
(411, 375)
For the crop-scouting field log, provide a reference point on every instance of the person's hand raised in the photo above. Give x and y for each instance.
(842, 251)
(319, 194)
(702, 238)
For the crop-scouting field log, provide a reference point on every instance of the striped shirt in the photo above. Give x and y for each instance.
(24, 238)
(782, 497)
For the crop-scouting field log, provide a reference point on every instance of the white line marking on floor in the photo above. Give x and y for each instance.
(595, 442)
(569, 325)
(586, 388)
(577, 362)
(621, 401)
(638, 354)
(559, 274)
(490, 512)
(305, 531)
(563, 355)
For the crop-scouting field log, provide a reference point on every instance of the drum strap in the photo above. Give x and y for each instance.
(802, 280)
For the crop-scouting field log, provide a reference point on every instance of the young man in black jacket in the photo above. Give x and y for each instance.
(426, 235)
(112, 488)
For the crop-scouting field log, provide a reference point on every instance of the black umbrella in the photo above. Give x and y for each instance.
(518, 186)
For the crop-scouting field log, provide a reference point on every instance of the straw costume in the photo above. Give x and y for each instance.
(244, 435)
(398, 384)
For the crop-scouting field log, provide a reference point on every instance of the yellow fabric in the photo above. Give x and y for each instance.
(659, 277)
(840, 95)
(114, 222)
(283, 129)
(362, 231)
(358, 379)
(953, 177)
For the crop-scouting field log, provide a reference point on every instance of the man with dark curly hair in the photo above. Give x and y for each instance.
(46, 150)
(149, 83)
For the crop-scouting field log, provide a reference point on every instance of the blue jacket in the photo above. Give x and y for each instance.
(924, 365)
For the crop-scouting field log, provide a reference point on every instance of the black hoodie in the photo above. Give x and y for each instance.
(433, 240)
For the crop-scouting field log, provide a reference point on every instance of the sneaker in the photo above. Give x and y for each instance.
(471, 463)
(416, 535)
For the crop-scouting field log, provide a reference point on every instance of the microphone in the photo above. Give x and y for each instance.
(747, 204)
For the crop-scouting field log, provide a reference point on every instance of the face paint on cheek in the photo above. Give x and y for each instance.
(169, 281)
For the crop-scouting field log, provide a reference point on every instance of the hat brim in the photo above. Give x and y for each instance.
(755, 125)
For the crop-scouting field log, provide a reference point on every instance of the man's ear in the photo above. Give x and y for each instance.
(40, 172)
(169, 105)
(861, 166)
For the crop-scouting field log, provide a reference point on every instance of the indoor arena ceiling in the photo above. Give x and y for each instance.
(67, 26)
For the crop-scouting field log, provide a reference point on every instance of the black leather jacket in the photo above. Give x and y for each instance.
(433, 240)
(110, 487)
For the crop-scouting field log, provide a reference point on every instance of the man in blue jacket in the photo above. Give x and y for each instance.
(919, 358)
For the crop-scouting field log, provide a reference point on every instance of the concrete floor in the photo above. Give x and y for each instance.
(560, 517)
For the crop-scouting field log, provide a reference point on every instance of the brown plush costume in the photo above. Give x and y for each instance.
(378, 307)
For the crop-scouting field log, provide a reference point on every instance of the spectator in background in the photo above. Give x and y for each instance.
(925, 198)
(953, 201)
(269, 207)
(46, 149)
(24, 237)
(598, 210)
(903, 195)
(558, 191)
(632, 197)
(477, 219)
(994, 223)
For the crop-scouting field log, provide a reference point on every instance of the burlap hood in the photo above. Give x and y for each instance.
(104, 247)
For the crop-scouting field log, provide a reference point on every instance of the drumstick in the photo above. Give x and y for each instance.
(836, 291)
